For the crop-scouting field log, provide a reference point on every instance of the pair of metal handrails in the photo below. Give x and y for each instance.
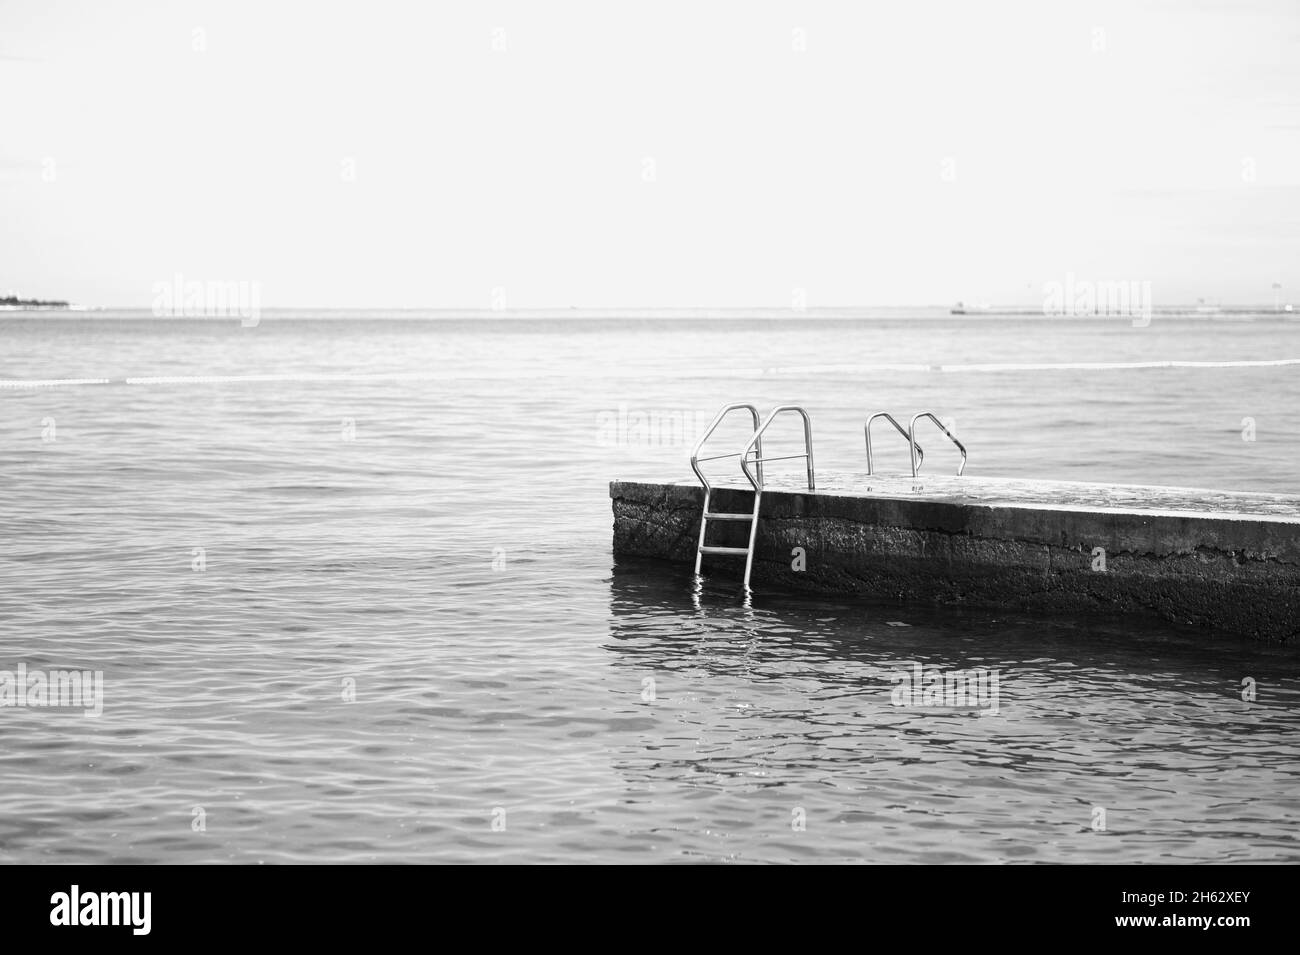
(917, 455)
(754, 446)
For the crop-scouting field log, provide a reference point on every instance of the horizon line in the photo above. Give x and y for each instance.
(969, 310)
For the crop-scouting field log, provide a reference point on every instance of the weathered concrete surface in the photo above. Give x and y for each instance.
(1227, 561)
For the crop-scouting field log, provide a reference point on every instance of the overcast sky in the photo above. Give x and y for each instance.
(656, 154)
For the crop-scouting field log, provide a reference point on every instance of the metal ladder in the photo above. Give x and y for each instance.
(702, 548)
(918, 456)
(755, 477)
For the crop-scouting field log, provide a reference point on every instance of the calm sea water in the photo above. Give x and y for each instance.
(378, 619)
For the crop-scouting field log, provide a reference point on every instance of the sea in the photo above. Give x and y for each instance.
(343, 587)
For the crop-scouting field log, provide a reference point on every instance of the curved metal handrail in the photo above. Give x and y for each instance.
(755, 443)
(897, 427)
(911, 438)
(696, 460)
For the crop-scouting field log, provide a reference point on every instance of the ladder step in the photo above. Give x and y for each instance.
(724, 550)
(719, 516)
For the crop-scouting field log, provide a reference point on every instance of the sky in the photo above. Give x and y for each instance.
(665, 154)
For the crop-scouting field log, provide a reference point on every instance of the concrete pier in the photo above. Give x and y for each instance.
(1224, 560)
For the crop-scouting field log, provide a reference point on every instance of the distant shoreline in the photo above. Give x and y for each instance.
(54, 310)
(13, 302)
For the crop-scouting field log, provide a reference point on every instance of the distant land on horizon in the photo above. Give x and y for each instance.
(13, 303)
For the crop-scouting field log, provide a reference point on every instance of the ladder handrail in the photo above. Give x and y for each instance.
(911, 437)
(755, 443)
(717, 420)
(901, 430)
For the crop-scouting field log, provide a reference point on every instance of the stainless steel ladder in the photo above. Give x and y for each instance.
(702, 548)
(755, 477)
(917, 455)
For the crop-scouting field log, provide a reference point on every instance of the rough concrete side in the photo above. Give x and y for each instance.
(1238, 576)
